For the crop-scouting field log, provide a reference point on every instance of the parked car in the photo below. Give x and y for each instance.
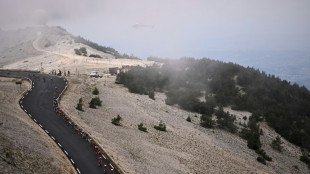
(94, 74)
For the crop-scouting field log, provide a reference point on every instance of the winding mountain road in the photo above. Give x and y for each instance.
(38, 104)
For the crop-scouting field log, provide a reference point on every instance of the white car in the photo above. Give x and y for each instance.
(94, 74)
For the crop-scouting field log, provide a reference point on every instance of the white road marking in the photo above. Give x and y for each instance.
(30, 89)
(72, 161)
(22, 106)
(40, 125)
(104, 157)
(59, 144)
(53, 138)
(46, 131)
(78, 170)
(66, 152)
(34, 120)
(29, 115)
(25, 110)
(27, 93)
(111, 166)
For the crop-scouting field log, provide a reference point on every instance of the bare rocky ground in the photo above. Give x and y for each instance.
(184, 148)
(24, 146)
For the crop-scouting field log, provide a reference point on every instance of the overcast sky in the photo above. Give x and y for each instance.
(172, 28)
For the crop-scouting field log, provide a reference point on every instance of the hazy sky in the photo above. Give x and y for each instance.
(172, 28)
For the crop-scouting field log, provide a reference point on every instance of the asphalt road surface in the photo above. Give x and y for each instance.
(38, 104)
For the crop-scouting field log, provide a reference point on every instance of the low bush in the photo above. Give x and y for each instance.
(116, 121)
(80, 105)
(161, 126)
(95, 91)
(277, 144)
(95, 102)
(141, 128)
(261, 160)
(189, 119)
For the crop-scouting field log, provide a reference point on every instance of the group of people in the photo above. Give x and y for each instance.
(60, 73)
(82, 133)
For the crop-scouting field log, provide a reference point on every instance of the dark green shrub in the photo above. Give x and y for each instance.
(206, 121)
(77, 51)
(95, 91)
(277, 144)
(152, 95)
(95, 102)
(95, 56)
(263, 154)
(116, 120)
(141, 128)
(19, 82)
(80, 105)
(261, 160)
(161, 126)
(189, 119)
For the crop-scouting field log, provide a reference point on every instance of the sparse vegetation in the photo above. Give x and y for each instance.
(189, 119)
(261, 160)
(161, 126)
(18, 82)
(142, 128)
(206, 121)
(95, 56)
(277, 144)
(104, 49)
(95, 91)
(263, 154)
(151, 94)
(95, 102)
(82, 51)
(116, 121)
(80, 105)
(225, 120)
(305, 157)
(251, 134)
(186, 80)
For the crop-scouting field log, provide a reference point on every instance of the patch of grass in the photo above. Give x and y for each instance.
(26, 61)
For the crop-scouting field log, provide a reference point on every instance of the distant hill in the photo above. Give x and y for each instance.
(20, 44)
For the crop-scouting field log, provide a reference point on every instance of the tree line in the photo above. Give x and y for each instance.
(200, 85)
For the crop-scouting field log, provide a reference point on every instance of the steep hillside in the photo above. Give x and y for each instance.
(185, 147)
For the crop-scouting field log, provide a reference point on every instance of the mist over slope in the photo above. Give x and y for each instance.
(292, 66)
